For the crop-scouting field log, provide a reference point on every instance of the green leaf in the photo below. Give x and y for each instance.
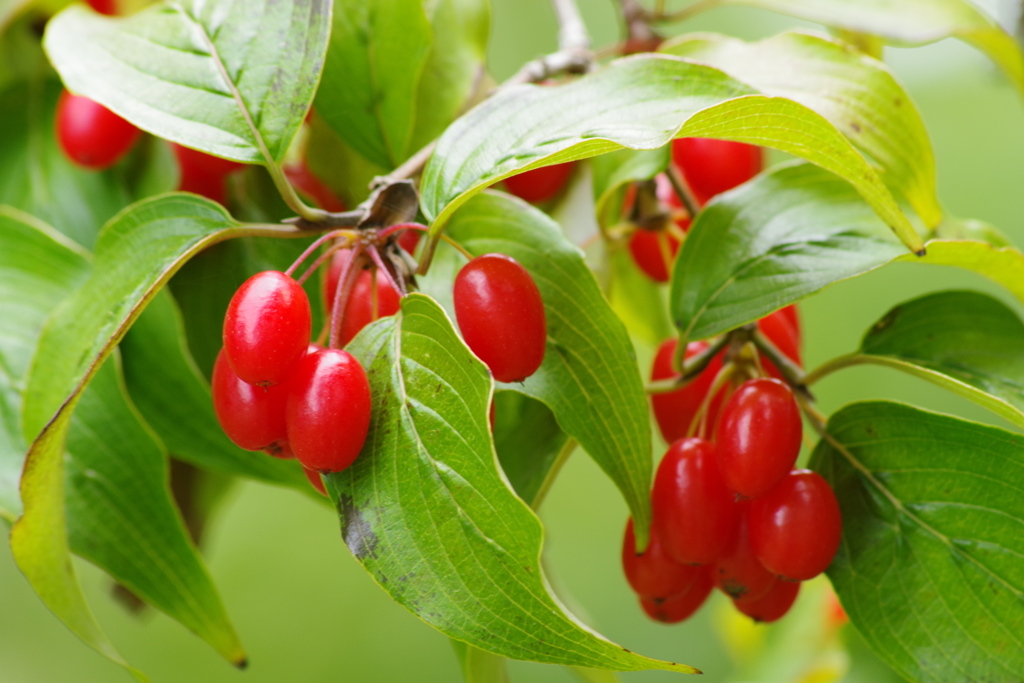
(136, 254)
(36, 176)
(1002, 265)
(120, 515)
(175, 400)
(966, 342)
(638, 300)
(930, 568)
(454, 67)
(427, 511)
(589, 376)
(640, 102)
(39, 268)
(787, 234)
(528, 441)
(857, 94)
(234, 80)
(371, 76)
(908, 23)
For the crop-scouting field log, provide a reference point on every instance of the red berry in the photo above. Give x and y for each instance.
(771, 606)
(251, 416)
(540, 184)
(328, 410)
(90, 134)
(654, 251)
(654, 574)
(501, 316)
(359, 310)
(312, 187)
(694, 513)
(203, 173)
(783, 329)
(315, 480)
(108, 7)
(681, 607)
(738, 573)
(675, 410)
(714, 166)
(796, 528)
(266, 328)
(758, 437)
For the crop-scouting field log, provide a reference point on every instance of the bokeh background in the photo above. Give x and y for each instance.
(307, 612)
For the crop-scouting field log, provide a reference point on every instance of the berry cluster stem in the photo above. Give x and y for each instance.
(346, 281)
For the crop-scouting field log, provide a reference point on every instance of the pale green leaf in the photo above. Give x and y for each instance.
(930, 567)
(427, 511)
(234, 79)
(857, 94)
(639, 102)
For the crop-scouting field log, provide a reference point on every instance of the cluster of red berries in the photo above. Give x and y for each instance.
(275, 391)
(709, 167)
(732, 512)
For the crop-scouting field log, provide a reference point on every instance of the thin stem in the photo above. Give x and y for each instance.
(390, 230)
(346, 281)
(461, 249)
(691, 367)
(827, 368)
(323, 257)
(682, 190)
(699, 421)
(791, 372)
(572, 32)
(397, 284)
(556, 467)
(310, 249)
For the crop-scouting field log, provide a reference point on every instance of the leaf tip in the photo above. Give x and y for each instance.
(921, 252)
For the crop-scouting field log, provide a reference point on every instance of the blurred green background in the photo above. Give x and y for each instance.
(307, 612)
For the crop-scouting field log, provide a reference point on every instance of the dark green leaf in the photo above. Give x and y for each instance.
(232, 79)
(528, 441)
(426, 510)
(640, 102)
(346, 172)
(371, 76)
(930, 567)
(857, 94)
(967, 342)
(786, 235)
(908, 23)
(176, 402)
(39, 268)
(36, 177)
(121, 518)
(589, 376)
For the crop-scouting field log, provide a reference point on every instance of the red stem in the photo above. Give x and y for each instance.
(302, 257)
(390, 230)
(320, 260)
(387, 273)
(346, 281)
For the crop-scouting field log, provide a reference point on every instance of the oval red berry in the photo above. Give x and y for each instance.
(90, 134)
(694, 513)
(251, 416)
(681, 607)
(654, 252)
(714, 166)
(738, 573)
(501, 316)
(328, 410)
(654, 574)
(795, 530)
(266, 328)
(540, 184)
(771, 606)
(675, 410)
(758, 436)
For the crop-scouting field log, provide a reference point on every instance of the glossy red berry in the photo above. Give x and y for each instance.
(694, 513)
(409, 239)
(654, 574)
(203, 173)
(328, 410)
(311, 187)
(501, 316)
(654, 251)
(314, 478)
(795, 529)
(540, 184)
(90, 134)
(771, 606)
(758, 436)
(251, 416)
(266, 328)
(714, 166)
(738, 573)
(108, 7)
(675, 410)
(681, 607)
